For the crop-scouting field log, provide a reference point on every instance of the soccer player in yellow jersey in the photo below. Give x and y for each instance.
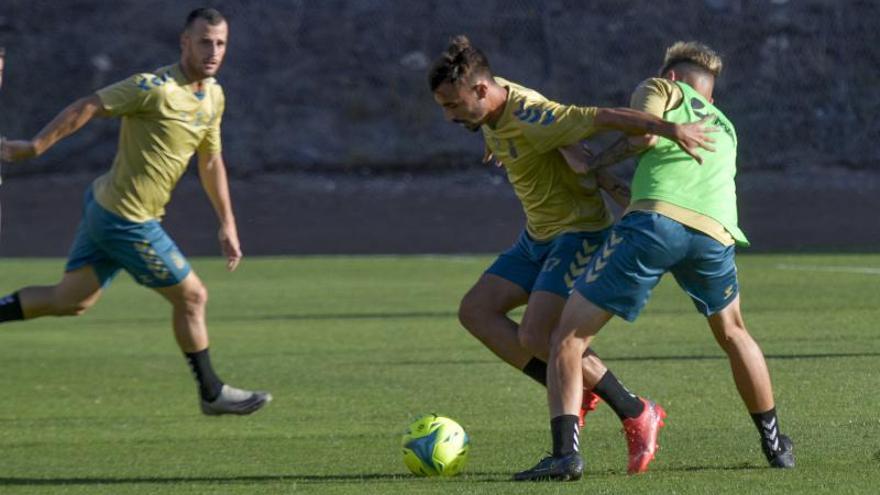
(566, 222)
(682, 220)
(167, 116)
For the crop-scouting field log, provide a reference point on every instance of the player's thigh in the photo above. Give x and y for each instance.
(539, 320)
(80, 287)
(727, 324)
(580, 319)
(708, 274)
(493, 294)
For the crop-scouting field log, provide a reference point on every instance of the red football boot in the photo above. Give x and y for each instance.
(641, 436)
(589, 403)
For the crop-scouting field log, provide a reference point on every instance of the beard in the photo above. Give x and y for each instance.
(471, 126)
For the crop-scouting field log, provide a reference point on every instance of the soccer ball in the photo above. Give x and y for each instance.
(435, 446)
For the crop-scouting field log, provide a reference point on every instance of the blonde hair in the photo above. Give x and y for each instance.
(692, 52)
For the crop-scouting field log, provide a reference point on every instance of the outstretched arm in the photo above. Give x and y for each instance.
(212, 172)
(623, 148)
(70, 120)
(689, 137)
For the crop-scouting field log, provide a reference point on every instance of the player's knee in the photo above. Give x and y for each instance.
(67, 303)
(196, 298)
(74, 308)
(732, 335)
(470, 311)
(566, 342)
(536, 341)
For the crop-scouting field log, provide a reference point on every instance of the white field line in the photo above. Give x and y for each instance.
(864, 270)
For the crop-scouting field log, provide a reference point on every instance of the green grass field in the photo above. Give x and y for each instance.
(353, 347)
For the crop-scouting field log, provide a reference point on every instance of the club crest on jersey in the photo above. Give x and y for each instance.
(147, 84)
(534, 115)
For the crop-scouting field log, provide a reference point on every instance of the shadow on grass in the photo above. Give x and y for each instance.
(691, 469)
(824, 355)
(472, 477)
(173, 480)
(827, 355)
(291, 317)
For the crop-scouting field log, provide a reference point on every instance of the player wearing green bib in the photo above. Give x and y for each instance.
(683, 220)
(167, 115)
(566, 222)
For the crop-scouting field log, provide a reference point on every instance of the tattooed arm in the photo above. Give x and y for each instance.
(623, 148)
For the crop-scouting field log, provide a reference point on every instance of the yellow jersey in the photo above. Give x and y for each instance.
(164, 122)
(525, 139)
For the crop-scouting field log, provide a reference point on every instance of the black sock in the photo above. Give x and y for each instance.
(537, 370)
(10, 308)
(624, 403)
(209, 384)
(565, 434)
(768, 428)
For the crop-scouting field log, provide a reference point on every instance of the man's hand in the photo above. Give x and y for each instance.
(489, 157)
(695, 135)
(14, 151)
(230, 247)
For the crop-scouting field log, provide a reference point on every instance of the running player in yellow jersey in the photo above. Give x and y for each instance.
(167, 116)
(682, 220)
(566, 222)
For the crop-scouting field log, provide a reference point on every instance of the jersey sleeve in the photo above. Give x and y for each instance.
(656, 96)
(550, 125)
(211, 144)
(128, 96)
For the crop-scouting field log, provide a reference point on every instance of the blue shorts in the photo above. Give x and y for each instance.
(109, 243)
(550, 266)
(645, 245)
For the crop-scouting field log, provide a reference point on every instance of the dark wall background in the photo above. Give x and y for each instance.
(336, 146)
(333, 85)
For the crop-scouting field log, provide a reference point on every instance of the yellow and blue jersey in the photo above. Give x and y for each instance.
(526, 139)
(163, 124)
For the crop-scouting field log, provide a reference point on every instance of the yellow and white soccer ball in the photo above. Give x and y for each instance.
(435, 446)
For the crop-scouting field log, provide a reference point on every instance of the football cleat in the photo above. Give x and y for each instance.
(564, 468)
(590, 402)
(782, 456)
(641, 436)
(235, 401)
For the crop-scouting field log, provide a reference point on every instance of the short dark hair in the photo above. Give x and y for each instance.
(213, 16)
(460, 61)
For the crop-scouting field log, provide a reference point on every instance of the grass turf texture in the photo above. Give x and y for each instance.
(354, 347)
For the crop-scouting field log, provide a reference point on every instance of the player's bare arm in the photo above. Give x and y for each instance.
(212, 172)
(70, 120)
(690, 137)
(581, 160)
